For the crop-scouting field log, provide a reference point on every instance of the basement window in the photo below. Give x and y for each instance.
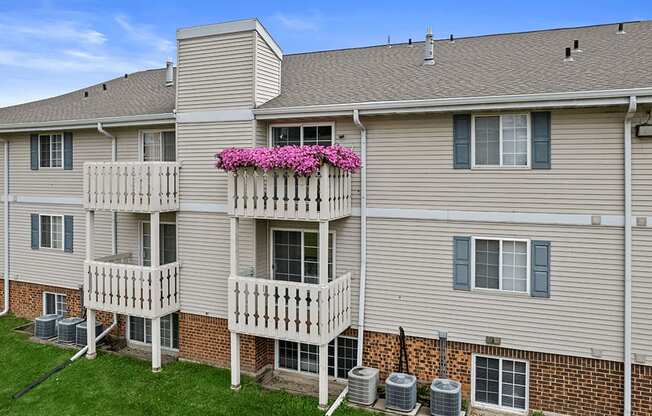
(302, 134)
(304, 358)
(501, 141)
(50, 150)
(140, 331)
(54, 303)
(500, 383)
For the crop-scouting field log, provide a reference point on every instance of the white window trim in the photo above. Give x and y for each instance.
(302, 231)
(501, 408)
(500, 265)
(141, 142)
(63, 232)
(301, 125)
(500, 132)
(65, 300)
(63, 156)
(277, 353)
(140, 239)
(145, 345)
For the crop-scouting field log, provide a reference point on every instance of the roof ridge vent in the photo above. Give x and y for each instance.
(429, 49)
(568, 57)
(621, 29)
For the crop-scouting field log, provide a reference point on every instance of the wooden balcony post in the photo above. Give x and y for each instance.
(235, 337)
(155, 242)
(156, 344)
(323, 326)
(90, 334)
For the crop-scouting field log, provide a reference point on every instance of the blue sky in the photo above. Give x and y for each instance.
(52, 47)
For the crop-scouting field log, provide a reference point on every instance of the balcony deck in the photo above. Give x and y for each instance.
(140, 187)
(284, 195)
(111, 284)
(290, 311)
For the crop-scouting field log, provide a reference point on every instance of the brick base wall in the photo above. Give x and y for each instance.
(26, 301)
(207, 340)
(557, 383)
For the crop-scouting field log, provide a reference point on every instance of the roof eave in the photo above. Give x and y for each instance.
(596, 98)
(120, 121)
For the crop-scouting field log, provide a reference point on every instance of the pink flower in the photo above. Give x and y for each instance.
(304, 160)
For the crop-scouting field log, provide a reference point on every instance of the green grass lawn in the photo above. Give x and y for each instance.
(111, 385)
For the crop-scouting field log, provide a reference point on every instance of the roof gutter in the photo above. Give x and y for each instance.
(631, 110)
(122, 121)
(363, 232)
(500, 102)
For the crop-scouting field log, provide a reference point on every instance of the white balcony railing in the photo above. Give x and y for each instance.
(128, 289)
(131, 186)
(290, 311)
(282, 194)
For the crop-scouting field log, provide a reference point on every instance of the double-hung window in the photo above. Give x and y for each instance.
(501, 140)
(321, 134)
(54, 303)
(501, 264)
(500, 383)
(51, 231)
(159, 146)
(50, 150)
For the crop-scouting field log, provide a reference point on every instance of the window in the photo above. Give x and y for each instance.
(51, 230)
(296, 256)
(501, 264)
(167, 245)
(54, 303)
(501, 140)
(499, 382)
(159, 146)
(321, 134)
(140, 330)
(342, 356)
(51, 151)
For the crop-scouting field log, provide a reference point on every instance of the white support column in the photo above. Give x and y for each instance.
(156, 345)
(323, 281)
(90, 334)
(154, 233)
(235, 337)
(90, 235)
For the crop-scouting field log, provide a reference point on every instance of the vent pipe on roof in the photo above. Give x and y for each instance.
(429, 49)
(621, 29)
(169, 73)
(452, 39)
(576, 46)
(568, 56)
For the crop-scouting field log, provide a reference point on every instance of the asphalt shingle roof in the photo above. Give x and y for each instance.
(504, 64)
(139, 93)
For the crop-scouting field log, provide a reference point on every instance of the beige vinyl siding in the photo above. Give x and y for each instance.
(642, 292)
(268, 72)
(410, 165)
(50, 266)
(641, 171)
(410, 284)
(215, 72)
(204, 253)
(198, 143)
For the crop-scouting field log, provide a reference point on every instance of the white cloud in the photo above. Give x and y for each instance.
(63, 31)
(299, 23)
(144, 33)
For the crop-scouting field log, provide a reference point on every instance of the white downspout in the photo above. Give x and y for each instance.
(114, 157)
(6, 228)
(628, 257)
(363, 232)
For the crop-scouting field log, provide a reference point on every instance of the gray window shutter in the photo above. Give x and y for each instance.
(462, 263)
(35, 231)
(68, 227)
(169, 146)
(462, 141)
(540, 284)
(67, 150)
(33, 151)
(541, 140)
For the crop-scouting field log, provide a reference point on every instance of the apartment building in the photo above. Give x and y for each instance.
(505, 199)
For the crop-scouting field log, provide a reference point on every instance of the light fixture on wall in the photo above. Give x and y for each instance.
(645, 129)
